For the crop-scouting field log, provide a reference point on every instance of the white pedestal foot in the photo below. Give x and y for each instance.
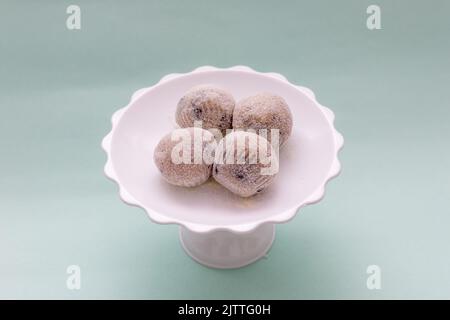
(226, 250)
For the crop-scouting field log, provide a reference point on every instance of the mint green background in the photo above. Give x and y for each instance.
(389, 89)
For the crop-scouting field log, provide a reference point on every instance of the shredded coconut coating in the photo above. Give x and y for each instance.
(185, 174)
(211, 105)
(246, 178)
(264, 111)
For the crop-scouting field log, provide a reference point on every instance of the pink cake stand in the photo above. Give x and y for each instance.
(217, 228)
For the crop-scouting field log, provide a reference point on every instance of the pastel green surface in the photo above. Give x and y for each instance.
(388, 89)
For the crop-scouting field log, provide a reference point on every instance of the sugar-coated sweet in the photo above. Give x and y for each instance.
(245, 163)
(182, 156)
(211, 105)
(264, 111)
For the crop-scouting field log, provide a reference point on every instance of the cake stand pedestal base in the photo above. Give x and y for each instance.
(226, 250)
